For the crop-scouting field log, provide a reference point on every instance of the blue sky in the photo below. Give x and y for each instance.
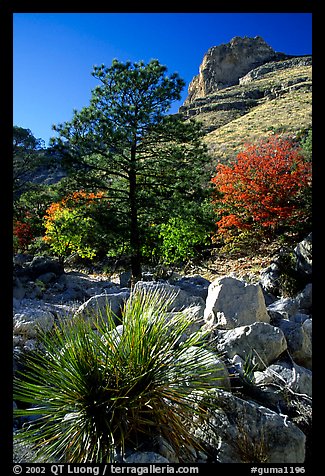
(54, 53)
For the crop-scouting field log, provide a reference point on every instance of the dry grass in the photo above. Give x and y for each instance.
(285, 108)
(247, 267)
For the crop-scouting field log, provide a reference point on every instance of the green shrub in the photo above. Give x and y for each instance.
(94, 392)
(68, 232)
(180, 240)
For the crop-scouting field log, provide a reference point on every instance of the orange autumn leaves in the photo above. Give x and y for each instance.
(266, 188)
(71, 201)
(69, 226)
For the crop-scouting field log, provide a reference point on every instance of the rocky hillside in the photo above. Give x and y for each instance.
(245, 90)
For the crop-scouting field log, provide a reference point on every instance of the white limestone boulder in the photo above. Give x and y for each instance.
(260, 342)
(232, 302)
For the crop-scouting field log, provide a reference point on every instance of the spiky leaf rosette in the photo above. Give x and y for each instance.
(94, 392)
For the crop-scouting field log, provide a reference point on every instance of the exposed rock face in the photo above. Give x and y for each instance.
(303, 252)
(264, 342)
(232, 302)
(250, 432)
(223, 65)
(259, 72)
(246, 91)
(28, 323)
(97, 306)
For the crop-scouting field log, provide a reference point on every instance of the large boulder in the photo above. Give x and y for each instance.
(283, 308)
(297, 266)
(303, 252)
(286, 375)
(194, 285)
(98, 306)
(232, 302)
(216, 366)
(246, 432)
(269, 278)
(305, 299)
(194, 315)
(39, 266)
(260, 342)
(299, 339)
(180, 299)
(31, 321)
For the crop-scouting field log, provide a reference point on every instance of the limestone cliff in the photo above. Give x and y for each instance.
(245, 90)
(223, 65)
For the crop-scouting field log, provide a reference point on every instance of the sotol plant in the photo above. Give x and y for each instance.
(94, 392)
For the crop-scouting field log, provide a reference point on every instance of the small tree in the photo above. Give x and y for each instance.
(180, 240)
(69, 226)
(266, 190)
(32, 205)
(23, 235)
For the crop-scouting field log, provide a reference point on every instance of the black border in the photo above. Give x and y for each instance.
(7, 9)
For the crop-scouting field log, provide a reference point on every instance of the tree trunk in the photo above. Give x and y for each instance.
(135, 246)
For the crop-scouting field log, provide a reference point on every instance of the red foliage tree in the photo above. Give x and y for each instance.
(264, 190)
(23, 232)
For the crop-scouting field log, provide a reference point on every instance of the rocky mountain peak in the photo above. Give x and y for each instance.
(223, 65)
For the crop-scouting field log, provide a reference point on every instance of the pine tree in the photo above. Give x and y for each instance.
(150, 164)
